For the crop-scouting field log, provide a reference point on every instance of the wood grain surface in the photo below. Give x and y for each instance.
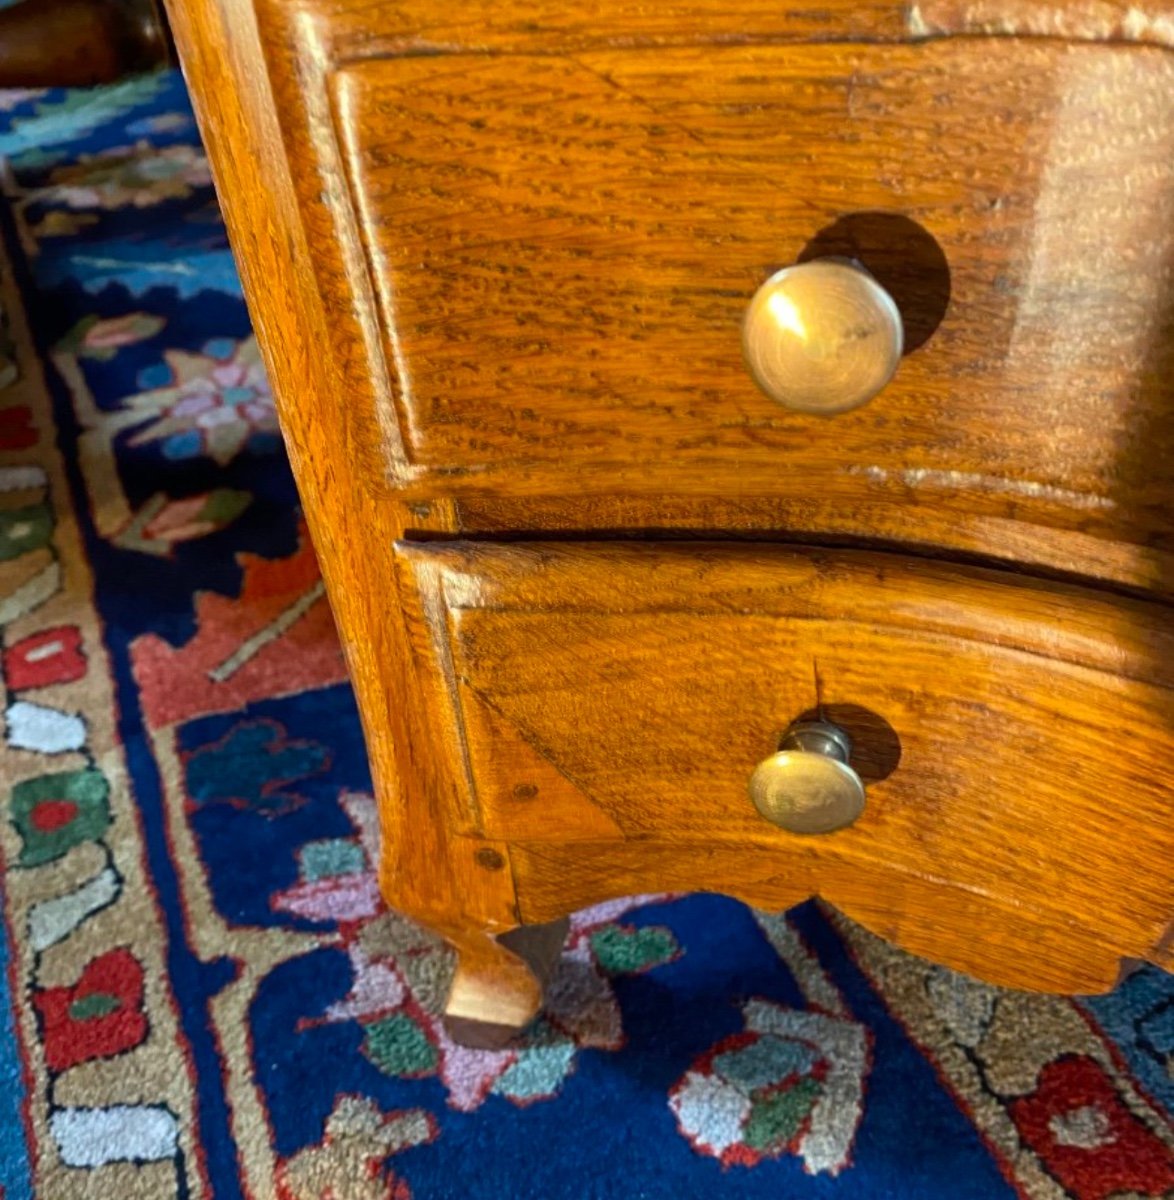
(296, 46)
(1084, 500)
(461, 888)
(345, 30)
(563, 248)
(1090, 20)
(1008, 733)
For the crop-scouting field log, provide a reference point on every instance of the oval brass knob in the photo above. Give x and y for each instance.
(822, 337)
(808, 786)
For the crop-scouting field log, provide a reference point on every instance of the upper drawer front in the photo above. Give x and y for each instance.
(563, 248)
(1014, 738)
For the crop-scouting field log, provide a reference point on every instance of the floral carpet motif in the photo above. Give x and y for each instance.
(201, 992)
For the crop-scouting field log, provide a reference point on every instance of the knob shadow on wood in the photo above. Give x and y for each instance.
(902, 256)
(876, 748)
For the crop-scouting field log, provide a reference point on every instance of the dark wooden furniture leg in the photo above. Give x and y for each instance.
(77, 43)
(499, 983)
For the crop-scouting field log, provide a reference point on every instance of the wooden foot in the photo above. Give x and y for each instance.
(76, 43)
(498, 986)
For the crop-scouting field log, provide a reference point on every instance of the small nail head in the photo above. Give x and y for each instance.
(489, 858)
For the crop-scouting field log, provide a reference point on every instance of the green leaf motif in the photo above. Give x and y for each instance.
(100, 339)
(24, 529)
(54, 813)
(96, 1004)
(626, 950)
(777, 1118)
(398, 1046)
(224, 505)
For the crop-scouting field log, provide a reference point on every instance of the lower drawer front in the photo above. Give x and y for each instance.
(607, 705)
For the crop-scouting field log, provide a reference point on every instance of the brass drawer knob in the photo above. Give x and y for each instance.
(822, 337)
(808, 786)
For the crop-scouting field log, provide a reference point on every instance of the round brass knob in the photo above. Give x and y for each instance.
(808, 786)
(822, 337)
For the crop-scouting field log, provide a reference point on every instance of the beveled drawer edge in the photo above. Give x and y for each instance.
(1120, 22)
(999, 543)
(1131, 639)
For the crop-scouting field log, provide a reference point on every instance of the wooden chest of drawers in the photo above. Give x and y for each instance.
(594, 557)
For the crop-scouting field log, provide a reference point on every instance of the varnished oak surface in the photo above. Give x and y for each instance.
(563, 248)
(608, 704)
(1080, 239)
(323, 395)
(344, 30)
(261, 73)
